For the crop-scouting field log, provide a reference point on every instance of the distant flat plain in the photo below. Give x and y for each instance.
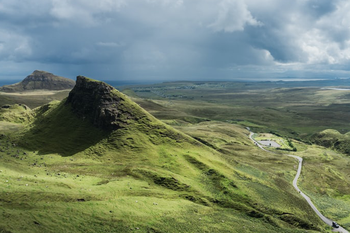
(283, 108)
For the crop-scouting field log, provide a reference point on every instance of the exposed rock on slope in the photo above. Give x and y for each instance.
(102, 104)
(40, 80)
(108, 109)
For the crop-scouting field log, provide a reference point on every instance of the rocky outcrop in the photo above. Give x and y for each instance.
(40, 80)
(95, 112)
(101, 104)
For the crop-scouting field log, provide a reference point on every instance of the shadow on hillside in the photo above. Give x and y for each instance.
(57, 130)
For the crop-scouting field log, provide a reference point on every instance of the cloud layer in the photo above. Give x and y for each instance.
(176, 39)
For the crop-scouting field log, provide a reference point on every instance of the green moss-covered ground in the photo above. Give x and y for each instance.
(113, 186)
(58, 173)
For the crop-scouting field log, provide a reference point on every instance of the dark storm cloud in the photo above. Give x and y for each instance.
(175, 39)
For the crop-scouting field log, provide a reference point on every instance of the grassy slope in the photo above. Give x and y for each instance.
(32, 100)
(326, 179)
(128, 179)
(56, 130)
(325, 175)
(16, 113)
(95, 181)
(333, 139)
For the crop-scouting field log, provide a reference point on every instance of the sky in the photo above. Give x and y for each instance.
(165, 40)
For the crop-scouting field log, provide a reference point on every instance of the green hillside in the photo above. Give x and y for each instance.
(97, 162)
(333, 139)
(17, 113)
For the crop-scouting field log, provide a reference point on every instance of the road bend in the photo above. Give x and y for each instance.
(295, 181)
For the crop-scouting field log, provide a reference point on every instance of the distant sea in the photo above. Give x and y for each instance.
(110, 82)
(8, 82)
(336, 89)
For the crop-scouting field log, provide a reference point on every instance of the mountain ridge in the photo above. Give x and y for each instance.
(40, 80)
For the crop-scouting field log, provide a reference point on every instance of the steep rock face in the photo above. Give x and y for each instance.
(102, 104)
(40, 80)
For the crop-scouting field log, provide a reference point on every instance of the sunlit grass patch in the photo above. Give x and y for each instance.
(206, 176)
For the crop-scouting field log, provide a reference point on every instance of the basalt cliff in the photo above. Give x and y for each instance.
(102, 104)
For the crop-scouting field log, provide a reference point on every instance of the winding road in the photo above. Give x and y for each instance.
(323, 218)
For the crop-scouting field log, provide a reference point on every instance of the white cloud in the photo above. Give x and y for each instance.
(326, 40)
(14, 46)
(233, 16)
(84, 11)
(174, 3)
(109, 44)
(317, 48)
(177, 36)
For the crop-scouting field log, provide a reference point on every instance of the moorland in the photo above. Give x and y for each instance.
(181, 163)
(298, 110)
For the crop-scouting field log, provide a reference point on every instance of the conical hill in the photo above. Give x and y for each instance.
(95, 111)
(40, 80)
